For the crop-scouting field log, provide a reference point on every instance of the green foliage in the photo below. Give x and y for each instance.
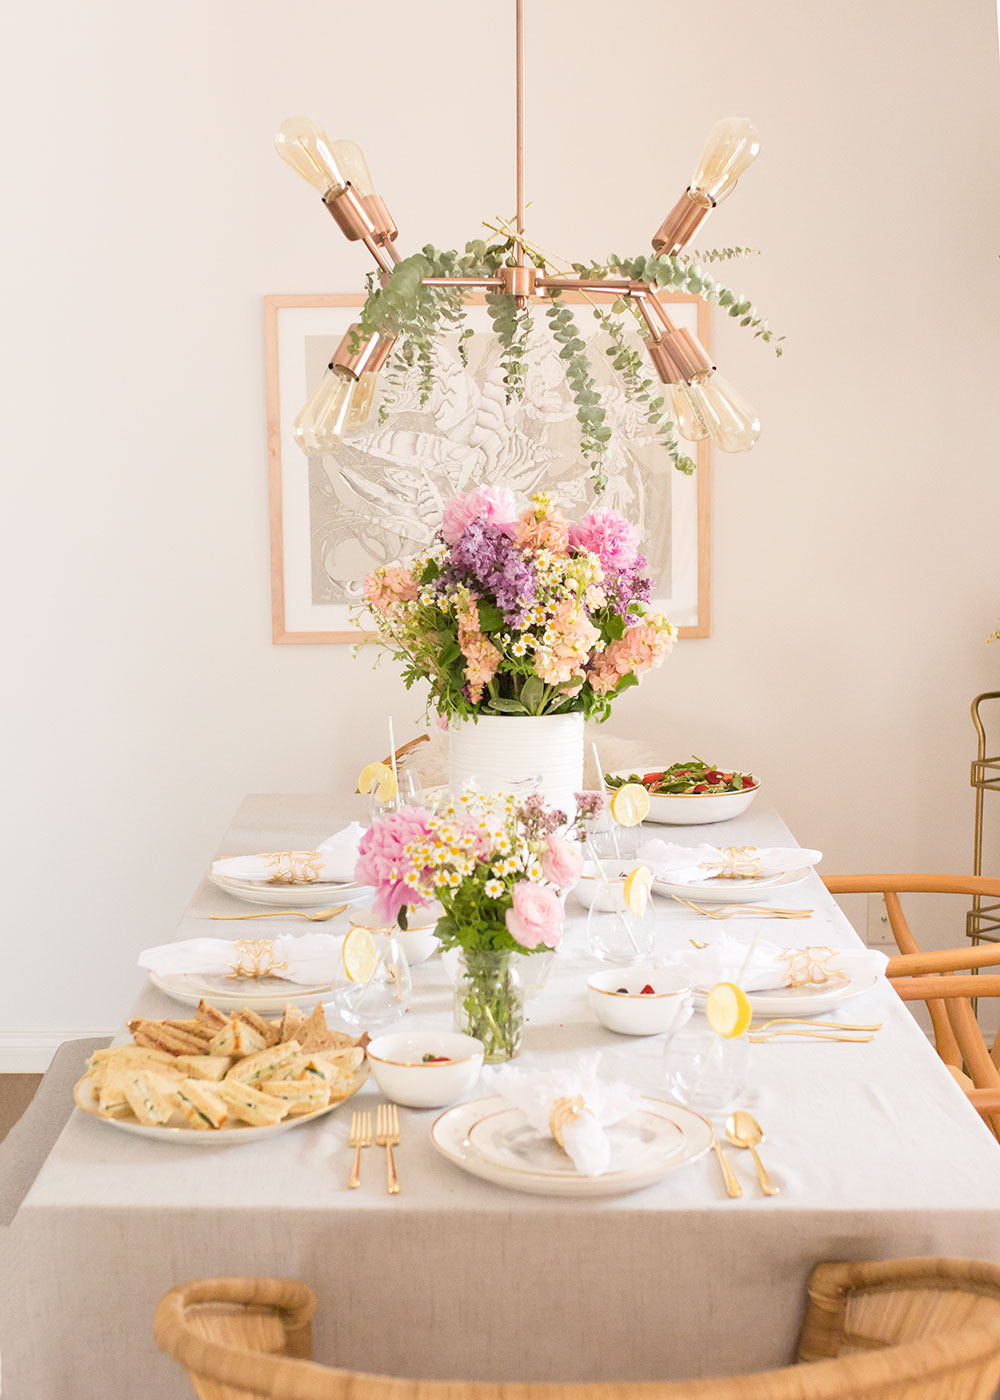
(418, 316)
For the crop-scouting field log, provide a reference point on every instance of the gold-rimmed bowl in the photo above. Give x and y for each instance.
(618, 1001)
(406, 1077)
(693, 808)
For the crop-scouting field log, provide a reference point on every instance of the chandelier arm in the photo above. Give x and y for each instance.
(489, 284)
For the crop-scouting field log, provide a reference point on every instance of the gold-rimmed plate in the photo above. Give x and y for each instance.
(302, 894)
(456, 1131)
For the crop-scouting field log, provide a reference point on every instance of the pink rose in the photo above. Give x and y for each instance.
(491, 505)
(561, 863)
(537, 915)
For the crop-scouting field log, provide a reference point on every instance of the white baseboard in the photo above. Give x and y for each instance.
(29, 1052)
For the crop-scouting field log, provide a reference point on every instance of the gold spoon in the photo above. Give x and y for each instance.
(315, 916)
(743, 1130)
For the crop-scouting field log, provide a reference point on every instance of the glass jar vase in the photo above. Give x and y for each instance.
(489, 1002)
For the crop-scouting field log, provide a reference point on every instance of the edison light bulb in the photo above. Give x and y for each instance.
(687, 415)
(736, 426)
(320, 426)
(731, 147)
(305, 146)
(361, 403)
(350, 161)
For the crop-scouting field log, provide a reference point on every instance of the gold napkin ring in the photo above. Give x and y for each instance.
(292, 867)
(809, 967)
(565, 1111)
(737, 863)
(255, 958)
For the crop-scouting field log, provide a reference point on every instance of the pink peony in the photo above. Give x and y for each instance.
(492, 505)
(383, 862)
(561, 863)
(608, 535)
(537, 915)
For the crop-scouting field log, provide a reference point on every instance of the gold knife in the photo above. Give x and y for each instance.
(733, 1187)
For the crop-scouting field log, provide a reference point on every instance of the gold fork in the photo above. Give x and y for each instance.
(387, 1136)
(762, 1038)
(763, 911)
(315, 916)
(361, 1136)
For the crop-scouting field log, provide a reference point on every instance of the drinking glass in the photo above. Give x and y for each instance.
(376, 1005)
(616, 934)
(705, 1070)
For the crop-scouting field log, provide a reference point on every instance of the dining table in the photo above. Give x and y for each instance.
(875, 1149)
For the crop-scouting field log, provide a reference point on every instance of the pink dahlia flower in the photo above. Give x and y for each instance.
(490, 505)
(384, 862)
(608, 535)
(537, 915)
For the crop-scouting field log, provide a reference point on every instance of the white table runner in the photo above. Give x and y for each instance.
(876, 1151)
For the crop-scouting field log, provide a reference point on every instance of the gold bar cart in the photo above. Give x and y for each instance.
(982, 922)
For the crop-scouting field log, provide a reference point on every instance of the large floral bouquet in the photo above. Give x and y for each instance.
(497, 866)
(526, 613)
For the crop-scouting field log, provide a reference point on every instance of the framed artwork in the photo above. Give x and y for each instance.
(379, 497)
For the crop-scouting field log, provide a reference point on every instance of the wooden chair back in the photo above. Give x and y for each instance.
(908, 1329)
(932, 977)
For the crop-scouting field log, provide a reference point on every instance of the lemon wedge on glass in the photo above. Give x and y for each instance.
(728, 1010)
(360, 955)
(636, 891)
(380, 779)
(630, 804)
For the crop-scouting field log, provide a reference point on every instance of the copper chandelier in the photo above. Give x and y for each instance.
(702, 404)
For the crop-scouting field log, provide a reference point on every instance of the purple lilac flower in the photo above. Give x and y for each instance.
(488, 559)
(624, 586)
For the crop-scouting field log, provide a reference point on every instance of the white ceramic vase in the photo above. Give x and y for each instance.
(499, 751)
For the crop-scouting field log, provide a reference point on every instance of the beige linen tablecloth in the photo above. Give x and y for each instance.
(876, 1151)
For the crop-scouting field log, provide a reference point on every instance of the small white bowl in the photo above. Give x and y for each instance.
(631, 1013)
(418, 942)
(694, 808)
(592, 890)
(398, 1066)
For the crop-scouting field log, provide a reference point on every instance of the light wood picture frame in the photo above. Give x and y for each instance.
(329, 518)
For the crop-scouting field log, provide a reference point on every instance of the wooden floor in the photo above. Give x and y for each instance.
(16, 1092)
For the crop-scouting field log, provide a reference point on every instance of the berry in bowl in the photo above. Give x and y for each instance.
(690, 793)
(425, 1069)
(641, 1000)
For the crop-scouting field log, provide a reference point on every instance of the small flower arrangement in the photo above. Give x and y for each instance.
(521, 614)
(497, 866)
(494, 863)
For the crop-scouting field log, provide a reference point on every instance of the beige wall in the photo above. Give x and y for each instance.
(146, 216)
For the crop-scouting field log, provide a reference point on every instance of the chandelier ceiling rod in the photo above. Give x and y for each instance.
(519, 99)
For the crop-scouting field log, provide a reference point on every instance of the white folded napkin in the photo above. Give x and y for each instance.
(334, 860)
(692, 865)
(535, 1092)
(314, 959)
(772, 966)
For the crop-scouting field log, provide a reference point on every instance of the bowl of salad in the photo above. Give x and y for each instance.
(691, 793)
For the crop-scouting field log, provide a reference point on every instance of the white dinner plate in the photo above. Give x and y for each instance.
(509, 1140)
(810, 1001)
(718, 891)
(267, 1000)
(231, 1134)
(458, 1130)
(314, 894)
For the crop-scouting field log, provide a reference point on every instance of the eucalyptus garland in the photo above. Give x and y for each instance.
(419, 316)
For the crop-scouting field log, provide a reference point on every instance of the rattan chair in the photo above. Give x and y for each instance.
(931, 978)
(906, 1329)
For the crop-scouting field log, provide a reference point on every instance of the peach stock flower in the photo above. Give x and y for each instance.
(644, 645)
(393, 584)
(481, 657)
(542, 528)
(567, 644)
